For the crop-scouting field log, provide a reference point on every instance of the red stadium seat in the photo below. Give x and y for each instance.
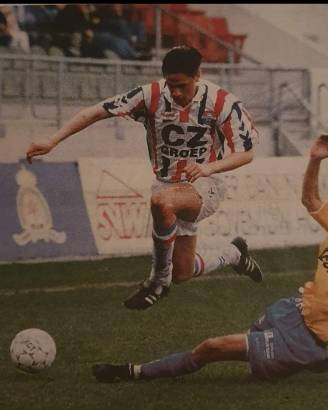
(178, 8)
(176, 32)
(219, 26)
(147, 11)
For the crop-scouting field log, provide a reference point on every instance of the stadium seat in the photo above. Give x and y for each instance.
(89, 87)
(72, 88)
(55, 51)
(48, 85)
(38, 50)
(40, 65)
(106, 86)
(95, 68)
(75, 67)
(189, 35)
(111, 55)
(4, 63)
(218, 26)
(177, 32)
(178, 8)
(20, 64)
(14, 86)
(148, 13)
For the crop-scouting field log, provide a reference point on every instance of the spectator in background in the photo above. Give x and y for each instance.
(13, 36)
(112, 31)
(81, 30)
(37, 22)
(73, 31)
(5, 37)
(122, 23)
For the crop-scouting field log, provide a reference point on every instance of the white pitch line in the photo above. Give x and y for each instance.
(105, 285)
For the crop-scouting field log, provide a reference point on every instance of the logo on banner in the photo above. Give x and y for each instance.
(122, 212)
(33, 212)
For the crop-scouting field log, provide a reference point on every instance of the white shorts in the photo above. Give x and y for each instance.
(210, 189)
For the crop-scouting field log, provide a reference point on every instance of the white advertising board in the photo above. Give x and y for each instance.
(262, 204)
(117, 195)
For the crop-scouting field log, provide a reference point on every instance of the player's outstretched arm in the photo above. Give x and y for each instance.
(78, 122)
(310, 192)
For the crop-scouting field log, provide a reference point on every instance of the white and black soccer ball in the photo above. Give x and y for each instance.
(33, 350)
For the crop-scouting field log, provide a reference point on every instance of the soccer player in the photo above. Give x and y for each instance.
(291, 336)
(189, 123)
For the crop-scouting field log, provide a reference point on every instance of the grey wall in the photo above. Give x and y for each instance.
(266, 41)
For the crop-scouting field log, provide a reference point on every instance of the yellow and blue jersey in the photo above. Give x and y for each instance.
(315, 295)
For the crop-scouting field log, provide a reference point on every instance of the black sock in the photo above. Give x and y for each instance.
(125, 371)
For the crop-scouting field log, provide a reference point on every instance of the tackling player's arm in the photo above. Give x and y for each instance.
(314, 293)
(310, 192)
(78, 122)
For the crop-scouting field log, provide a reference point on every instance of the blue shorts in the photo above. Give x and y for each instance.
(279, 343)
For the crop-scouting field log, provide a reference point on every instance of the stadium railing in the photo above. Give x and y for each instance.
(34, 82)
(322, 98)
(286, 125)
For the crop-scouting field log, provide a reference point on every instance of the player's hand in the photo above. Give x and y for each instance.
(319, 149)
(37, 149)
(194, 171)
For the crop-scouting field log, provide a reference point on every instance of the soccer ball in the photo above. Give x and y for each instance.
(33, 350)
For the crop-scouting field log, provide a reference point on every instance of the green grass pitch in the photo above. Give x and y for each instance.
(90, 324)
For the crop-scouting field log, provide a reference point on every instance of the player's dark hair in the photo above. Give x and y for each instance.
(182, 60)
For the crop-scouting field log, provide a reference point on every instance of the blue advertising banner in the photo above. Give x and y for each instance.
(42, 212)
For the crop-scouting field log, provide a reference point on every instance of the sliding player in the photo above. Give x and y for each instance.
(291, 336)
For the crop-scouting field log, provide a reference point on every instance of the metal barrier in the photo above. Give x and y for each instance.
(320, 121)
(47, 86)
(307, 119)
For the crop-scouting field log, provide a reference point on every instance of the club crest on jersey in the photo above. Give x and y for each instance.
(207, 118)
(324, 258)
(169, 116)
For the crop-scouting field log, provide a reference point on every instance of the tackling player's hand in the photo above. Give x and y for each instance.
(37, 149)
(319, 149)
(194, 171)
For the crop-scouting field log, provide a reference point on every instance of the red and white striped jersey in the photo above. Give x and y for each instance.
(200, 132)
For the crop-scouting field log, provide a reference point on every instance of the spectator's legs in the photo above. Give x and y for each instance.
(119, 45)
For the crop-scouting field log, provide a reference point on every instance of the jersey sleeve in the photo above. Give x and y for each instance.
(315, 309)
(237, 126)
(315, 296)
(128, 105)
(321, 216)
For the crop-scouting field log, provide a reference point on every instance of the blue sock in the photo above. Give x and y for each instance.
(176, 364)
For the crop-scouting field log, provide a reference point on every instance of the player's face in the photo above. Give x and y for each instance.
(182, 87)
